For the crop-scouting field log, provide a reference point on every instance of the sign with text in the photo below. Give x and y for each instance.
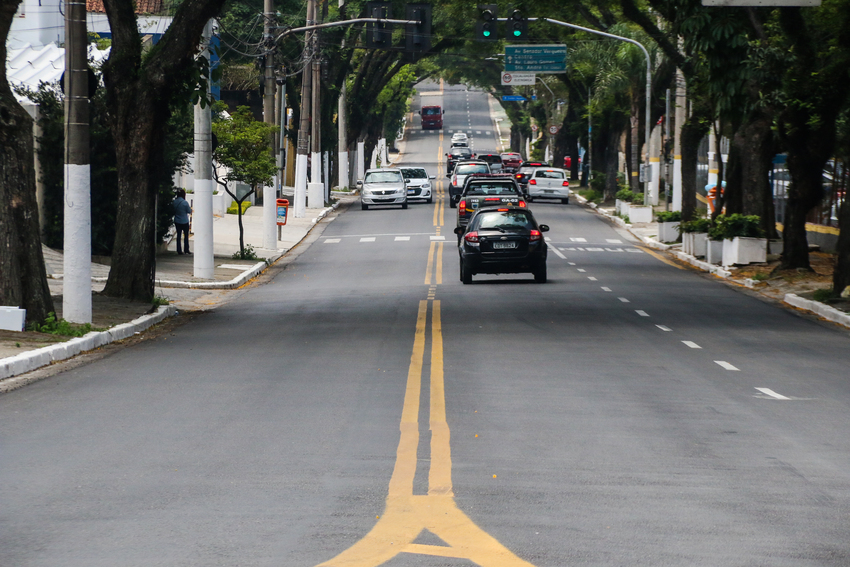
(513, 98)
(517, 79)
(536, 58)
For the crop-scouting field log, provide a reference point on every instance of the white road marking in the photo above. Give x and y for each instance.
(613, 241)
(691, 344)
(591, 278)
(578, 239)
(437, 237)
(402, 238)
(613, 249)
(641, 313)
(571, 263)
(634, 250)
(624, 300)
(478, 131)
(595, 249)
(663, 328)
(367, 239)
(332, 240)
(772, 394)
(581, 270)
(571, 249)
(606, 289)
(726, 365)
(547, 239)
(582, 249)
(558, 253)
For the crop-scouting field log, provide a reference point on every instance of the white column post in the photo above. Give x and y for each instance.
(202, 214)
(655, 164)
(361, 160)
(677, 145)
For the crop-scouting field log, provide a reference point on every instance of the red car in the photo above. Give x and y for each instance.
(510, 161)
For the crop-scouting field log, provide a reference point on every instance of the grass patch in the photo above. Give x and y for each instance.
(232, 210)
(54, 326)
(823, 294)
(248, 254)
(592, 195)
(159, 301)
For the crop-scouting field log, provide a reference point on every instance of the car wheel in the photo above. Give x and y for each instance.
(404, 205)
(566, 201)
(430, 199)
(460, 269)
(530, 199)
(540, 274)
(364, 207)
(465, 273)
(452, 204)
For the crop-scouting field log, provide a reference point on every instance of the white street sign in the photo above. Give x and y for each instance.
(521, 79)
(534, 127)
(553, 130)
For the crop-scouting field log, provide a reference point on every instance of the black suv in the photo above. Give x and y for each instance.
(455, 155)
(502, 240)
(492, 157)
(481, 191)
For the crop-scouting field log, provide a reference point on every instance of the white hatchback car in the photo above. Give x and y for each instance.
(418, 183)
(384, 186)
(549, 183)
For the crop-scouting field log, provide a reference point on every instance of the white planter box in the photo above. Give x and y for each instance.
(774, 246)
(700, 245)
(741, 250)
(688, 243)
(714, 252)
(621, 207)
(12, 318)
(640, 214)
(668, 231)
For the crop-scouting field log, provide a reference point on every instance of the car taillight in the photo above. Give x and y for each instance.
(522, 204)
(454, 180)
(533, 182)
(462, 206)
(535, 236)
(565, 184)
(519, 175)
(472, 237)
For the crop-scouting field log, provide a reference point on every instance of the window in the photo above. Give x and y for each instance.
(414, 173)
(466, 169)
(548, 174)
(431, 111)
(508, 220)
(479, 188)
(383, 177)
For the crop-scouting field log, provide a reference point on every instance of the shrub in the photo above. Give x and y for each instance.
(249, 254)
(625, 195)
(696, 225)
(598, 182)
(591, 195)
(730, 226)
(54, 326)
(637, 199)
(823, 294)
(232, 209)
(669, 216)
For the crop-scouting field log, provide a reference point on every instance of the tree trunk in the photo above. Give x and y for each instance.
(756, 143)
(612, 164)
(23, 278)
(634, 158)
(693, 131)
(139, 92)
(841, 274)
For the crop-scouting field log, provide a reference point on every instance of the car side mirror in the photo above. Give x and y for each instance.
(359, 183)
(544, 228)
(458, 230)
(419, 112)
(448, 175)
(432, 177)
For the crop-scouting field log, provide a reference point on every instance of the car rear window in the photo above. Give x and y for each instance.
(548, 174)
(430, 111)
(383, 177)
(507, 220)
(461, 152)
(466, 169)
(414, 173)
(485, 188)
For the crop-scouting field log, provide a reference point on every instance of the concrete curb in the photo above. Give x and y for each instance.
(34, 359)
(819, 309)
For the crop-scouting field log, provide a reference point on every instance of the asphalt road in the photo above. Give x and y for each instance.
(366, 408)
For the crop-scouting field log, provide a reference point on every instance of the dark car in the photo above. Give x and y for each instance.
(524, 172)
(481, 191)
(458, 177)
(502, 240)
(455, 155)
(510, 161)
(492, 157)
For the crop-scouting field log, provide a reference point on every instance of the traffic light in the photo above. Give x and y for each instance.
(517, 26)
(417, 37)
(379, 35)
(485, 28)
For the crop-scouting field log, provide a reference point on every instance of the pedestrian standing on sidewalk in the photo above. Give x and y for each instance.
(182, 210)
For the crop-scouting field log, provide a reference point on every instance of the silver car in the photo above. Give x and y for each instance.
(384, 186)
(549, 183)
(418, 183)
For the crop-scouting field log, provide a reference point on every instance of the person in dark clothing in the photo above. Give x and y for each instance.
(182, 210)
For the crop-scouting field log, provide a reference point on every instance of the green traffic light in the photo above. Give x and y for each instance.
(486, 33)
(517, 33)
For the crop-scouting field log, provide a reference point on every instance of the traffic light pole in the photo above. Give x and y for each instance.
(648, 81)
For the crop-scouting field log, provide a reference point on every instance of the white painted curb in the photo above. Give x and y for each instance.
(31, 360)
(818, 308)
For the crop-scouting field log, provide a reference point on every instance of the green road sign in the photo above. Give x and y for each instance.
(536, 58)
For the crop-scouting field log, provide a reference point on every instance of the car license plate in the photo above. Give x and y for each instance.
(503, 245)
(411, 191)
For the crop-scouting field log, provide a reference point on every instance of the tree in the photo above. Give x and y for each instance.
(23, 277)
(141, 89)
(243, 148)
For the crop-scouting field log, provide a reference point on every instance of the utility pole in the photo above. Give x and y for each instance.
(681, 101)
(343, 141)
(76, 288)
(269, 193)
(316, 189)
(202, 214)
(303, 127)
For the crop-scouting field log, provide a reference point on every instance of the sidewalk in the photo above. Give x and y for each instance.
(22, 352)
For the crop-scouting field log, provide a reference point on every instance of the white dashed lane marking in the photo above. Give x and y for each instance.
(367, 239)
(613, 241)
(772, 394)
(726, 365)
(438, 238)
(624, 300)
(579, 239)
(691, 344)
(663, 328)
(591, 278)
(641, 313)
(402, 238)
(332, 240)
(580, 270)
(606, 289)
